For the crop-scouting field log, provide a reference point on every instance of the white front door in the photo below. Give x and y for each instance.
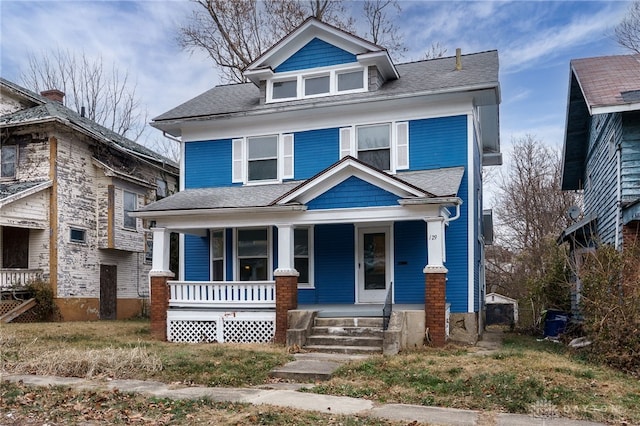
(373, 260)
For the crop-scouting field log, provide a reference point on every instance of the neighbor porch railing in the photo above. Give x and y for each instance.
(222, 294)
(11, 278)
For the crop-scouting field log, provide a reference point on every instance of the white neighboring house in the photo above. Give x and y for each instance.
(66, 187)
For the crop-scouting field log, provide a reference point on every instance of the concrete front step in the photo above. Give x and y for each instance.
(368, 350)
(349, 322)
(332, 340)
(348, 331)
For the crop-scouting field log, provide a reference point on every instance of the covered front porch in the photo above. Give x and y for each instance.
(356, 243)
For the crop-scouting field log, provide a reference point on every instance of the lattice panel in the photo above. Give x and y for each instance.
(249, 331)
(192, 331)
(7, 306)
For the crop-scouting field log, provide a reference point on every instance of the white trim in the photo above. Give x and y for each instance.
(224, 252)
(379, 295)
(181, 257)
(343, 171)
(471, 208)
(614, 108)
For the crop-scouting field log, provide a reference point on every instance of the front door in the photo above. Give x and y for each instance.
(373, 264)
(108, 291)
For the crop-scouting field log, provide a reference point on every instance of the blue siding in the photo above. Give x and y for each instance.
(207, 163)
(196, 258)
(315, 151)
(457, 255)
(316, 53)
(438, 142)
(334, 266)
(353, 192)
(410, 255)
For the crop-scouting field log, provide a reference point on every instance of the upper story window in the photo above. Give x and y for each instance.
(8, 161)
(161, 189)
(320, 82)
(374, 145)
(130, 204)
(384, 146)
(262, 159)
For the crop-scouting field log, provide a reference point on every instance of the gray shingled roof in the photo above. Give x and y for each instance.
(435, 75)
(51, 110)
(9, 189)
(439, 182)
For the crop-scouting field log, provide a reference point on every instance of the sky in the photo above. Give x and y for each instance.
(535, 42)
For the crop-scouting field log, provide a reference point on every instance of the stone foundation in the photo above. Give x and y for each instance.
(463, 327)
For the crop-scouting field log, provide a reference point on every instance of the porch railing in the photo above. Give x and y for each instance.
(11, 278)
(222, 294)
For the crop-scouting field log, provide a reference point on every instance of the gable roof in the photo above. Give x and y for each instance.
(366, 52)
(599, 85)
(609, 83)
(13, 191)
(434, 76)
(46, 110)
(425, 184)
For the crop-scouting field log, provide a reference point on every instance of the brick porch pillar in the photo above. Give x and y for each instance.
(435, 304)
(286, 300)
(158, 276)
(159, 303)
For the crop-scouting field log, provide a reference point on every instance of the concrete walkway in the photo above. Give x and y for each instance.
(414, 414)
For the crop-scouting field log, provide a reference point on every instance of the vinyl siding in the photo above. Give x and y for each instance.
(316, 53)
(315, 151)
(410, 255)
(438, 142)
(334, 266)
(196, 258)
(631, 156)
(457, 256)
(207, 164)
(601, 178)
(351, 193)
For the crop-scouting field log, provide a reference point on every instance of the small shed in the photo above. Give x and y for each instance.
(500, 309)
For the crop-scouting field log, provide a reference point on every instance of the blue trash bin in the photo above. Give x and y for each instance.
(555, 323)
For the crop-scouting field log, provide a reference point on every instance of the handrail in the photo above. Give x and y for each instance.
(249, 294)
(388, 307)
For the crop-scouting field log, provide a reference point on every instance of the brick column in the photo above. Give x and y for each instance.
(286, 300)
(159, 303)
(631, 235)
(435, 304)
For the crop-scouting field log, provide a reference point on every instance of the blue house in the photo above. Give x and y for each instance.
(356, 180)
(602, 153)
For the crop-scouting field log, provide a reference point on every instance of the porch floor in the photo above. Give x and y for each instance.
(360, 310)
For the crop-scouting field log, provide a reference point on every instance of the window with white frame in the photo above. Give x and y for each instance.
(374, 145)
(253, 254)
(322, 82)
(8, 161)
(303, 255)
(258, 159)
(217, 255)
(384, 146)
(130, 204)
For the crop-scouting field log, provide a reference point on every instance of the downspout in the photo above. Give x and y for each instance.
(457, 215)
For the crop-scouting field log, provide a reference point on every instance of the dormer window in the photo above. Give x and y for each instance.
(321, 82)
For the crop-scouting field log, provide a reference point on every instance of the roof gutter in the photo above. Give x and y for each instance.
(223, 211)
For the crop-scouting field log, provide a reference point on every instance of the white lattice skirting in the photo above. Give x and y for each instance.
(206, 326)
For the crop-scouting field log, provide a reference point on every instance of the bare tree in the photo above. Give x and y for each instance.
(107, 95)
(627, 32)
(530, 215)
(383, 29)
(235, 33)
(435, 51)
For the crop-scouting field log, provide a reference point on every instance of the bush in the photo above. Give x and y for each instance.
(610, 304)
(46, 309)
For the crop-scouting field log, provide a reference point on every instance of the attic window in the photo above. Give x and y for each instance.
(316, 85)
(285, 89)
(350, 81)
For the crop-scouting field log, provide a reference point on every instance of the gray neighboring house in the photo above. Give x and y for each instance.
(67, 185)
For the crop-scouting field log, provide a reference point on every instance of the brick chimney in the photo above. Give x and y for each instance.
(53, 95)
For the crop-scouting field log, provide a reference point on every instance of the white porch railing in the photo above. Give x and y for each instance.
(222, 294)
(17, 277)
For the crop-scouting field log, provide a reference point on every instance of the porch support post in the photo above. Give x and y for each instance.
(435, 283)
(158, 277)
(286, 278)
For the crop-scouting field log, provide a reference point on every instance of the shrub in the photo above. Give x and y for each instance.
(610, 304)
(46, 309)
